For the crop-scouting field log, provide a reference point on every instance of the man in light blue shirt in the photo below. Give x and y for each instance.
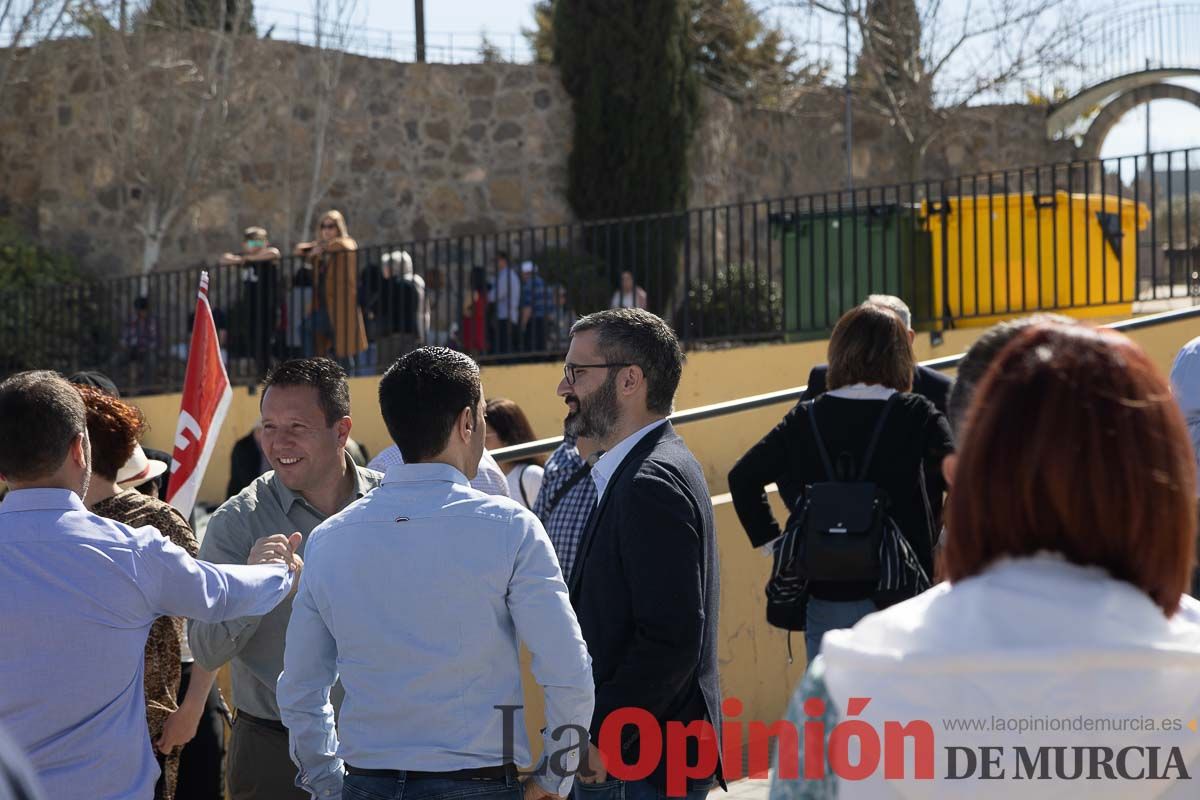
(417, 597)
(79, 593)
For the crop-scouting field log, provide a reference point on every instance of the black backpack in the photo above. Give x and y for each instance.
(840, 531)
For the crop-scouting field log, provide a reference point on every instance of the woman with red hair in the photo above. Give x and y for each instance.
(1062, 641)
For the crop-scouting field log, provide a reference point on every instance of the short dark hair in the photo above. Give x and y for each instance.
(1075, 446)
(870, 345)
(979, 357)
(422, 394)
(638, 337)
(324, 375)
(40, 415)
(114, 428)
(502, 254)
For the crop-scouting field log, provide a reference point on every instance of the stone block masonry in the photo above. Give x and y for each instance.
(415, 152)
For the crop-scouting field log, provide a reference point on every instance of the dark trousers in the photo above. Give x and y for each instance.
(260, 767)
(613, 789)
(535, 335)
(361, 787)
(202, 762)
(505, 340)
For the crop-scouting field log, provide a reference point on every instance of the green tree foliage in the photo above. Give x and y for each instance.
(740, 55)
(739, 299)
(49, 310)
(202, 14)
(541, 35)
(733, 50)
(627, 66)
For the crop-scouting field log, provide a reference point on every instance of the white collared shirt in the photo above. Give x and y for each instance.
(489, 479)
(608, 463)
(862, 391)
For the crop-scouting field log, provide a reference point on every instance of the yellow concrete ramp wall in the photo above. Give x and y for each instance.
(710, 376)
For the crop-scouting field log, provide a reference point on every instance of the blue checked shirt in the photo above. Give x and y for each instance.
(534, 295)
(565, 522)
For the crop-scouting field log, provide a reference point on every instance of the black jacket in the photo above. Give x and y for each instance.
(930, 384)
(915, 435)
(245, 464)
(646, 589)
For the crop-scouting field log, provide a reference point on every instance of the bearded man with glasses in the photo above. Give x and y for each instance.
(645, 582)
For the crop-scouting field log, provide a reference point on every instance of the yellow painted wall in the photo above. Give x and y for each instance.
(710, 376)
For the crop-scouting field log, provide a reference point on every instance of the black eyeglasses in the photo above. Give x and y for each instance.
(569, 369)
(329, 225)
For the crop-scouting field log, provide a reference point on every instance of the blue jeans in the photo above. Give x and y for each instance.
(829, 615)
(629, 790)
(361, 787)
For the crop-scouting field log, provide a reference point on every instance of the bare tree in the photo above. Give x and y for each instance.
(334, 27)
(23, 25)
(919, 63)
(165, 117)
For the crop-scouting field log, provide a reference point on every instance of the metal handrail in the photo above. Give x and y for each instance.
(790, 395)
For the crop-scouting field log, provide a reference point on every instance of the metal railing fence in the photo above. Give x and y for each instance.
(1087, 237)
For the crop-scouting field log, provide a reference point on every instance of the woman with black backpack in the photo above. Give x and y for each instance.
(861, 535)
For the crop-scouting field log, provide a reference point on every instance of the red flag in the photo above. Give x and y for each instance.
(206, 398)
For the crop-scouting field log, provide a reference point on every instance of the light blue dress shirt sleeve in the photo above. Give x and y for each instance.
(309, 670)
(216, 643)
(545, 621)
(187, 587)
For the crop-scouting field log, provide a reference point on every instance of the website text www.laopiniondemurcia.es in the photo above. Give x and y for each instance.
(691, 750)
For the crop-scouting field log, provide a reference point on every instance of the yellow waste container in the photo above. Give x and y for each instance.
(1006, 255)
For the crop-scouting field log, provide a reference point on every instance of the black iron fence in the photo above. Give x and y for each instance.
(1095, 238)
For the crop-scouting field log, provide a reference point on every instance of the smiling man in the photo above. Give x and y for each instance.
(306, 421)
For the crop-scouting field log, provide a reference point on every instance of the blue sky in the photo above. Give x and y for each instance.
(389, 23)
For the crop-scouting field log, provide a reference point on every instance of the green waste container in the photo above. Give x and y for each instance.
(833, 259)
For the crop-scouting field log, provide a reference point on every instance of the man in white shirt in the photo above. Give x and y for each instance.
(418, 596)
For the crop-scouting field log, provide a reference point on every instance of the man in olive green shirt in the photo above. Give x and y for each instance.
(306, 422)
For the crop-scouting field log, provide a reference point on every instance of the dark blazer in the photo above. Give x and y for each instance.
(930, 384)
(646, 589)
(245, 464)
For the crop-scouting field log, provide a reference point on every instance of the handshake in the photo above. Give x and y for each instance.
(279, 549)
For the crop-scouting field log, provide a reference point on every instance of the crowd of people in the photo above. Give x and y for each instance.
(450, 574)
(363, 307)
(1019, 542)
(1062, 564)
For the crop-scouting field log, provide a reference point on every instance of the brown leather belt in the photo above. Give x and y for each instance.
(498, 773)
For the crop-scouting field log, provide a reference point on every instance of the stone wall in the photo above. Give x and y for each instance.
(421, 151)
(745, 154)
(415, 151)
